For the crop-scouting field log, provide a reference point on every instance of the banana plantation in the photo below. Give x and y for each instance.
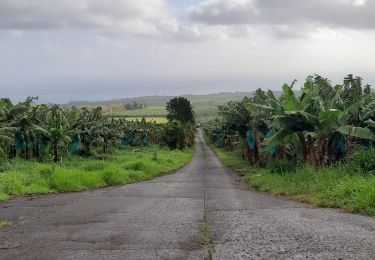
(50, 132)
(319, 125)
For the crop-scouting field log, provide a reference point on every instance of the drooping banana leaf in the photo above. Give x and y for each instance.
(358, 132)
(332, 119)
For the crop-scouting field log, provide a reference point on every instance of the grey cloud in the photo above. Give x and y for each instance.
(356, 14)
(224, 12)
(96, 14)
(281, 18)
(111, 18)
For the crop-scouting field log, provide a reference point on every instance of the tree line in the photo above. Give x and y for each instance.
(322, 125)
(135, 105)
(48, 132)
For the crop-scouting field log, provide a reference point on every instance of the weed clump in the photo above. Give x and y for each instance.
(281, 166)
(363, 159)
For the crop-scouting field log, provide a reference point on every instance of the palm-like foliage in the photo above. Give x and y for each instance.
(6, 139)
(45, 131)
(318, 117)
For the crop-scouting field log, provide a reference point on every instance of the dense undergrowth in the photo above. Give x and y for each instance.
(349, 185)
(19, 177)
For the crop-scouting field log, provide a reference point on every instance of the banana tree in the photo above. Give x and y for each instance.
(58, 131)
(59, 138)
(315, 117)
(6, 139)
(86, 125)
(27, 129)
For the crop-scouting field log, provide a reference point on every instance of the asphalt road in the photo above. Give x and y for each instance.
(204, 211)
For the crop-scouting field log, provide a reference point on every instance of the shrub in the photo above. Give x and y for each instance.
(4, 165)
(281, 166)
(114, 176)
(75, 179)
(94, 166)
(138, 166)
(3, 156)
(66, 180)
(179, 135)
(154, 156)
(92, 180)
(12, 183)
(35, 184)
(46, 172)
(363, 159)
(4, 197)
(137, 176)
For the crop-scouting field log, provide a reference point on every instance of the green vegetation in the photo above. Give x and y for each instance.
(319, 127)
(180, 129)
(157, 120)
(148, 111)
(336, 186)
(205, 106)
(315, 146)
(5, 223)
(203, 111)
(50, 132)
(179, 135)
(20, 177)
(179, 108)
(49, 148)
(134, 105)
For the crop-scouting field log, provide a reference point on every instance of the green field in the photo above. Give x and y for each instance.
(205, 106)
(203, 112)
(157, 113)
(158, 120)
(149, 111)
(21, 177)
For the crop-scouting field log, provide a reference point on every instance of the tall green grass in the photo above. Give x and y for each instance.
(349, 185)
(19, 177)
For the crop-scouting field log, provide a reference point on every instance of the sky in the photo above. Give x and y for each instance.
(65, 50)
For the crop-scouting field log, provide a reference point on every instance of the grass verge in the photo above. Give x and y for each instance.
(341, 186)
(20, 177)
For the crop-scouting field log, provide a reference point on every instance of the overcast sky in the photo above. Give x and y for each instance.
(62, 50)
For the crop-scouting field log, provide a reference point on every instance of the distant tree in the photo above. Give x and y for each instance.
(129, 106)
(135, 105)
(179, 108)
(141, 105)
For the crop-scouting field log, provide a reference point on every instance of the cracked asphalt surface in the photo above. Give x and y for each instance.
(163, 218)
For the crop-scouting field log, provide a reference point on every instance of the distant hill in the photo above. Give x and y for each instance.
(205, 106)
(211, 99)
